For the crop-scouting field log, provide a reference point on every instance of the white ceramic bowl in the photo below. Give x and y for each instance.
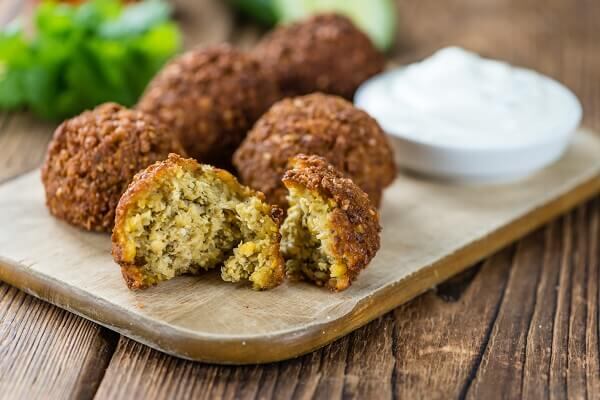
(481, 163)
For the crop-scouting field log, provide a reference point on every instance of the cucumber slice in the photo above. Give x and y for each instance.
(376, 17)
(261, 10)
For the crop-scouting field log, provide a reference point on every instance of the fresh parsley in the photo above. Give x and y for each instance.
(81, 56)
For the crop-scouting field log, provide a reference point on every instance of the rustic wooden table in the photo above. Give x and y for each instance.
(523, 323)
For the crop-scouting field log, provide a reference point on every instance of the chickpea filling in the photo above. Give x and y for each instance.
(194, 222)
(307, 241)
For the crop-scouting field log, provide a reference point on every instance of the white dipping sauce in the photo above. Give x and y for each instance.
(464, 117)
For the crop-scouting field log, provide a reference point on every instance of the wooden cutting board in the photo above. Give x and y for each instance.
(431, 231)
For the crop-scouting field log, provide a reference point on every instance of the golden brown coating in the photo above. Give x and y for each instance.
(325, 125)
(325, 53)
(331, 232)
(210, 97)
(180, 217)
(93, 157)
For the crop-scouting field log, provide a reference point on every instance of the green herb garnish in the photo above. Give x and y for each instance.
(81, 56)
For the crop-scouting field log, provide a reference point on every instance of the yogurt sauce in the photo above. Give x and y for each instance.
(456, 98)
(459, 116)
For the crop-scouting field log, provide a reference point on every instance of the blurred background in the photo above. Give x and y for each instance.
(58, 58)
(396, 354)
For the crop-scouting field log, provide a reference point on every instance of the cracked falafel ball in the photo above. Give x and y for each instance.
(93, 157)
(319, 124)
(331, 231)
(181, 217)
(210, 97)
(325, 53)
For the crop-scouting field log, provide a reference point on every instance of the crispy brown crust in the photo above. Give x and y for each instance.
(210, 97)
(145, 182)
(141, 185)
(93, 157)
(324, 53)
(354, 221)
(320, 124)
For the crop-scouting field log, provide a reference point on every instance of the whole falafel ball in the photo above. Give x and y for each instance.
(93, 157)
(319, 124)
(210, 97)
(331, 231)
(325, 53)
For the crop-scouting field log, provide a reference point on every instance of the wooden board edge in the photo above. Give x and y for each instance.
(279, 347)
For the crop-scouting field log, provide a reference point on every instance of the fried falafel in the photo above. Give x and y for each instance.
(93, 157)
(331, 231)
(181, 217)
(319, 124)
(325, 53)
(210, 97)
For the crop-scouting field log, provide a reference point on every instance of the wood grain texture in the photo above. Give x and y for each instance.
(496, 331)
(440, 338)
(431, 231)
(23, 141)
(559, 37)
(45, 352)
(358, 365)
(521, 339)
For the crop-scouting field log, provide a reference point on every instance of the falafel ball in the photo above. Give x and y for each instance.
(319, 124)
(325, 53)
(93, 157)
(210, 97)
(331, 232)
(181, 217)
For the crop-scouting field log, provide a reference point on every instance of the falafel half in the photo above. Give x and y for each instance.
(93, 157)
(326, 53)
(319, 124)
(331, 232)
(210, 97)
(181, 217)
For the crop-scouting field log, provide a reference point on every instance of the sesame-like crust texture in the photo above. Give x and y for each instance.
(354, 221)
(326, 53)
(319, 124)
(210, 97)
(93, 157)
(147, 181)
